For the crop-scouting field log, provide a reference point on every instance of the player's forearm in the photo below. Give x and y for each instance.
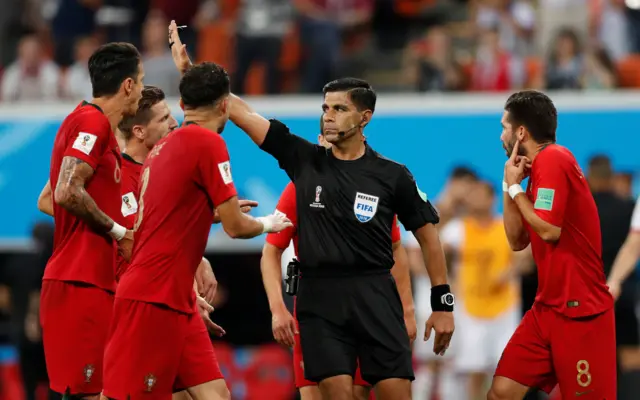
(252, 123)
(400, 272)
(547, 232)
(626, 259)
(45, 200)
(272, 276)
(514, 228)
(244, 227)
(78, 202)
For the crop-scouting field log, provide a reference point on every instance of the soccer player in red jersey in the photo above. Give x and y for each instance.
(159, 344)
(568, 337)
(78, 282)
(285, 329)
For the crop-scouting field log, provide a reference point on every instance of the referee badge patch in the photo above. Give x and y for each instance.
(365, 206)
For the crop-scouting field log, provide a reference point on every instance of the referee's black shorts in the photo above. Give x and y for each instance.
(343, 320)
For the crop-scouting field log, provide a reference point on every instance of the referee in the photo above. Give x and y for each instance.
(348, 306)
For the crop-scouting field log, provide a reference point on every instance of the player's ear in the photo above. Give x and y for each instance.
(224, 105)
(127, 85)
(521, 133)
(139, 132)
(181, 104)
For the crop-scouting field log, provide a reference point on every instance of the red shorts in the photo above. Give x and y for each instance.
(577, 354)
(75, 321)
(154, 351)
(298, 364)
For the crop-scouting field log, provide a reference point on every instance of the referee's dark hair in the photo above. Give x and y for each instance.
(151, 95)
(112, 64)
(204, 85)
(535, 111)
(360, 92)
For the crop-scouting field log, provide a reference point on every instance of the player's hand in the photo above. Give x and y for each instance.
(283, 327)
(615, 288)
(245, 207)
(206, 281)
(514, 168)
(178, 50)
(205, 309)
(412, 328)
(125, 245)
(442, 323)
(275, 223)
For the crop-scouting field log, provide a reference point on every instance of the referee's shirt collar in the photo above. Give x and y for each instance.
(368, 152)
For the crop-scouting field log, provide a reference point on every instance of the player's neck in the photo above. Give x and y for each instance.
(349, 150)
(483, 218)
(204, 119)
(113, 109)
(136, 150)
(532, 151)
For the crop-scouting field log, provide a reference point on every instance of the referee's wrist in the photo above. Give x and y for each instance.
(442, 300)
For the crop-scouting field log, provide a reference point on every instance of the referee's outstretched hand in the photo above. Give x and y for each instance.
(284, 327)
(442, 323)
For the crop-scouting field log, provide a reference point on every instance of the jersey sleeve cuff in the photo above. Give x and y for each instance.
(275, 239)
(81, 156)
(221, 197)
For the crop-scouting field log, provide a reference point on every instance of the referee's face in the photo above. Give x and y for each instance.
(340, 116)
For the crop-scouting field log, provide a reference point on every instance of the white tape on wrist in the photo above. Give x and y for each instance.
(267, 224)
(118, 231)
(515, 190)
(505, 187)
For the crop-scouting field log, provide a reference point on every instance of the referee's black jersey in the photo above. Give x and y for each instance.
(345, 209)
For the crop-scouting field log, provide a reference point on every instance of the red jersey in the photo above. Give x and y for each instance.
(81, 254)
(571, 276)
(130, 178)
(287, 206)
(184, 177)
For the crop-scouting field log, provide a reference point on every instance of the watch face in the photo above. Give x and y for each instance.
(448, 299)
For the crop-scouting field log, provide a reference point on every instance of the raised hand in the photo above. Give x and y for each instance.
(516, 166)
(245, 207)
(178, 50)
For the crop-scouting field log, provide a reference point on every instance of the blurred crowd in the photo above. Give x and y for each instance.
(295, 46)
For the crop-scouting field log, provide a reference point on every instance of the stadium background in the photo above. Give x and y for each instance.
(425, 118)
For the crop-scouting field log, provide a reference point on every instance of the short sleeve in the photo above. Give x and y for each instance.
(395, 230)
(551, 186)
(290, 150)
(452, 235)
(214, 168)
(411, 204)
(635, 219)
(89, 140)
(287, 207)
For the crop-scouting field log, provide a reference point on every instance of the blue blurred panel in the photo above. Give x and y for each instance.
(429, 144)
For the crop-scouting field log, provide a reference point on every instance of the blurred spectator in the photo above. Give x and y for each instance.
(599, 70)
(321, 25)
(261, 27)
(609, 24)
(565, 65)
(623, 184)
(494, 69)
(32, 76)
(121, 19)
(72, 18)
(515, 21)
(184, 12)
(429, 63)
(9, 32)
(158, 64)
(554, 15)
(77, 83)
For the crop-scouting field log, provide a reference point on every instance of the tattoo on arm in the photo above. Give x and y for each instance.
(72, 196)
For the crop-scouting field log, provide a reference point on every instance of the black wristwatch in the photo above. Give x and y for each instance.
(448, 299)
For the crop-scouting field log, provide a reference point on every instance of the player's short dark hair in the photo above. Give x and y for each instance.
(111, 65)
(463, 172)
(535, 111)
(360, 92)
(151, 96)
(204, 85)
(600, 167)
